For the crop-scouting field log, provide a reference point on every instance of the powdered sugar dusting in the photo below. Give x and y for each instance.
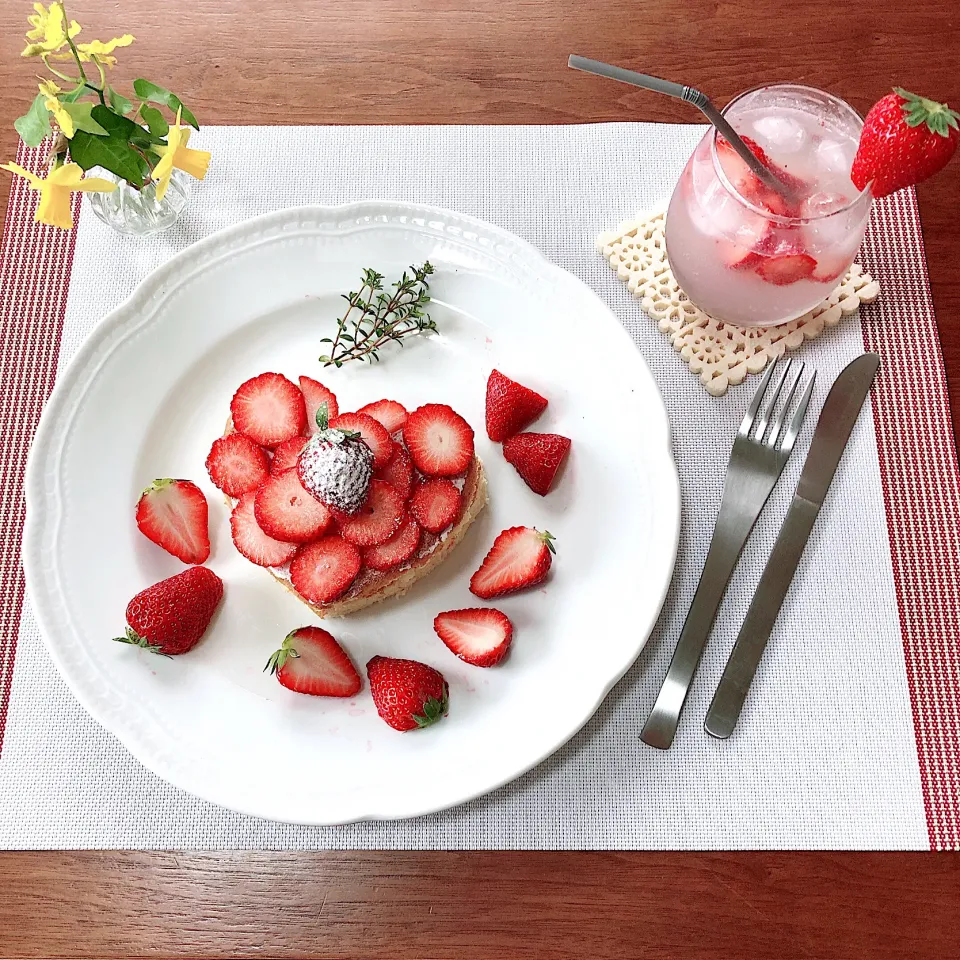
(336, 470)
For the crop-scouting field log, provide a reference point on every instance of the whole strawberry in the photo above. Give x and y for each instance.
(172, 615)
(407, 694)
(905, 140)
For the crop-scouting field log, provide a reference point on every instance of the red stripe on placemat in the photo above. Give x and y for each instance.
(35, 262)
(921, 484)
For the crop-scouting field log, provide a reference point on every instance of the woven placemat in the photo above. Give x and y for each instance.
(719, 353)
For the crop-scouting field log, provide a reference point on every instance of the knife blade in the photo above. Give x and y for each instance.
(839, 414)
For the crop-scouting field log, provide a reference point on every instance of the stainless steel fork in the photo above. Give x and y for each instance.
(760, 452)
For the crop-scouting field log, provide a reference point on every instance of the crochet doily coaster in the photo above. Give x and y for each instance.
(720, 354)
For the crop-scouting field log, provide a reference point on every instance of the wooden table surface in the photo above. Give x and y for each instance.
(441, 61)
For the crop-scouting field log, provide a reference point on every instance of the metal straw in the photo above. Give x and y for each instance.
(690, 95)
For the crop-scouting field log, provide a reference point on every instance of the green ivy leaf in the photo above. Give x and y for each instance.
(80, 113)
(119, 103)
(34, 125)
(72, 96)
(123, 127)
(112, 153)
(155, 121)
(153, 93)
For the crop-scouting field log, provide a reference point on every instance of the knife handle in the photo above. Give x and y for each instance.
(758, 625)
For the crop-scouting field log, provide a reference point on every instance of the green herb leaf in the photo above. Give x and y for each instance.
(34, 125)
(154, 120)
(82, 120)
(375, 318)
(153, 93)
(119, 103)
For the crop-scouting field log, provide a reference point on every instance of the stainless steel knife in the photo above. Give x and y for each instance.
(839, 414)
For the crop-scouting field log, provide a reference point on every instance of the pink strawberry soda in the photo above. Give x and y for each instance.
(740, 250)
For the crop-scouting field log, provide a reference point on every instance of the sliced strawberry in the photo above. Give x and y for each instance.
(510, 406)
(480, 636)
(173, 514)
(439, 440)
(407, 694)
(520, 557)
(286, 455)
(398, 549)
(252, 542)
(286, 512)
(829, 273)
(435, 504)
(398, 471)
(237, 465)
(391, 414)
(750, 186)
(323, 570)
(268, 409)
(537, 458)
(784, 269)
(311, 661)
(315, 393)
(378, 519)
(372, 432)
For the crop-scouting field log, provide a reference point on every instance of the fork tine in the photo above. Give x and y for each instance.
(796, 423)
(776, 425)
(747, 421)
(771, 403)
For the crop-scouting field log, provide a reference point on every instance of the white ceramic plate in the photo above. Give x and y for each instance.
(149, 391)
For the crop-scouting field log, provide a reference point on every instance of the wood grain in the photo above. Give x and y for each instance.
(439, 61)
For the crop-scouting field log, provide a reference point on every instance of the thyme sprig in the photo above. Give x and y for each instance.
(375, 316)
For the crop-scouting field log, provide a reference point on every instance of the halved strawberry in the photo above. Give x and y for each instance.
(520, 557)
(287, 512)
(173, 514)
(268, 409)
(536, 457)
(378, 519)
(439, 440)
(480, 636)
(311, 661)
(398, 549)
(391, 414)
(237, 465)
(286, 455)
(372, 432)
(435, 504)
(510, 406)
(252, 542)
(787, 268)
(315, 393)
(398, 471)
(323, 570)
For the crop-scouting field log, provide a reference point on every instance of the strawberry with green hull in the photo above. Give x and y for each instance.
(171, 616)
(173, 514)
(519, 558)
(905, 139)
(477, 635)
(407, 694)
(311, 661)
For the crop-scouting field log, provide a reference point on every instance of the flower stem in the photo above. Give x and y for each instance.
(70, 43)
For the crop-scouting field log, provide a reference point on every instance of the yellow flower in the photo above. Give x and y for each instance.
(49, 30)
(102, 51)
(55, 205)
(176, 154)
(64, 121)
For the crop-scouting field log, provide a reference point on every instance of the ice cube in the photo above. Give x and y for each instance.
(831, 157)
(780, 135)
(823, 203)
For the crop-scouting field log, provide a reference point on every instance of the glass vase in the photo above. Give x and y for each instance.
(138, 212)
